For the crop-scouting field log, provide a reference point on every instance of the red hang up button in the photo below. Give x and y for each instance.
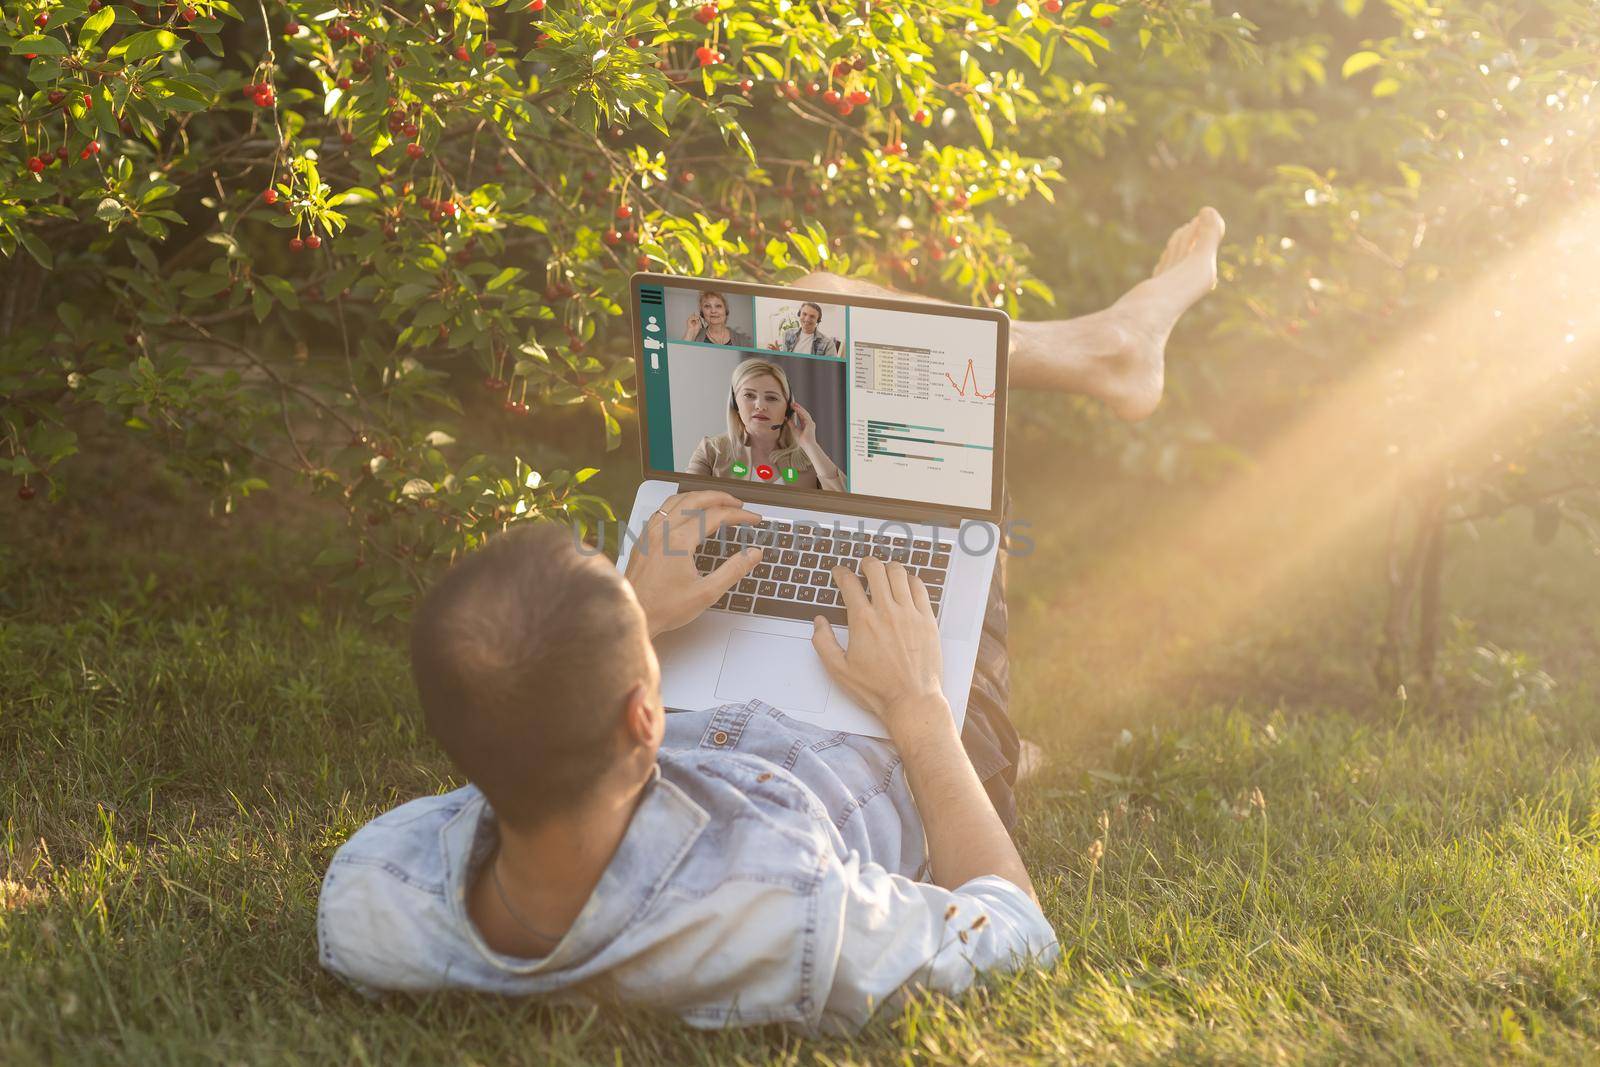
(764, 472)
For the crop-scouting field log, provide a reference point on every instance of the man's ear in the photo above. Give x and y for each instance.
(643, 723)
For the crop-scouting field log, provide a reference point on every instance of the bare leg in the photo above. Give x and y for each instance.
(1118, 354)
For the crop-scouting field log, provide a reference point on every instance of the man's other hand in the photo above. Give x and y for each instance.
(661, 568)
(894, 663)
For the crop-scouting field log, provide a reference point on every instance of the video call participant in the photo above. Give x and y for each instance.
(766, 427)
(710, 325)
(806, 338)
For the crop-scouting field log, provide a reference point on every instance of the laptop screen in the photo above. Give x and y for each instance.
(872, 398)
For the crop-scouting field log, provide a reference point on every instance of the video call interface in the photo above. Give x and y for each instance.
(790, 391)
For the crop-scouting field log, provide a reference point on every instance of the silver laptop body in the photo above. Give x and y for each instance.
(757, 641)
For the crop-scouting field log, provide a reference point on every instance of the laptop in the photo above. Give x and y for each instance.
(908, 403)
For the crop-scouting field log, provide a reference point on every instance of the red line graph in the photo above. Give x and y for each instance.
(970, 377)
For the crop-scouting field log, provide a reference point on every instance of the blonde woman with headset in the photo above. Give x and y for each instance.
(766, 428)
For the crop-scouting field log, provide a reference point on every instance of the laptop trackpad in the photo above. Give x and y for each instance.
(784, 671)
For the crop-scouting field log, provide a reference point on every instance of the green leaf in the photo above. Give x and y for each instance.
(261, 302)
(1386, 87)
(506, 276)
(37, 249)
(95, 25)
(138, 46)
(1358, 62)
(40, 45)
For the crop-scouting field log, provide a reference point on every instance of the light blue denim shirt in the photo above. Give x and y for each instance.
(771, 874)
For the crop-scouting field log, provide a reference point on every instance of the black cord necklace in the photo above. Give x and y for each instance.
(505, 902)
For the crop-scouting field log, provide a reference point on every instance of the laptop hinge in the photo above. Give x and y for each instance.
(908, 511)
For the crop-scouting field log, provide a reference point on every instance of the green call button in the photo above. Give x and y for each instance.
(790, 474)
(739, 469)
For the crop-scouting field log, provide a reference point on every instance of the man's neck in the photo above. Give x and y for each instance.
(546, 874)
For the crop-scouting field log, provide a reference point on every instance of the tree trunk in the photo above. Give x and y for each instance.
(1430, 526)
(1390, 666)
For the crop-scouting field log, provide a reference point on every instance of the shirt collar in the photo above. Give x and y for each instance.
(665, 826)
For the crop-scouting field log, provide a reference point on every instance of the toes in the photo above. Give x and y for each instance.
(1177, 246)
(1209, 227)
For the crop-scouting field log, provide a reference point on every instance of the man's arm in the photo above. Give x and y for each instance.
(892, 669)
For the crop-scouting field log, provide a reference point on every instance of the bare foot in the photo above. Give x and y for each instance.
(1146, 314)
(1117, 355)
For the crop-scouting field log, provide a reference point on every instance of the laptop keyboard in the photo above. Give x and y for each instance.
(795, 580)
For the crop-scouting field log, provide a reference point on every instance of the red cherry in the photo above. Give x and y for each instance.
(510, 406)
(1107, 22)
(844, 108)
(706, 55)
(90, 149)
(1051, 6)
(190, 14)
(291, 29)
(414, 150)
(95, 5)
(41, 20)
(462, 53)
(30, 55)
(55, 96)
(624, 212)
(705, 13)
(490, 48)
(344, 83)
(858, 98)
(491, 383)
(830, 98)
(270, 196)
(409, 129)
(266, 98)
(842, 68)
(35, 164)
(611, 237)
(61, 153)
(295, 244)
(541, 39)
(745, 85)
(313, 242)
(990, 3)
(921, 118)
(25, 492)
(535, 5)
(642, 262)
(88, 101)
(895, 148)
(790, 90)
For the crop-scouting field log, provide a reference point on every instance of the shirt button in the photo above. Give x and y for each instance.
(720, 737)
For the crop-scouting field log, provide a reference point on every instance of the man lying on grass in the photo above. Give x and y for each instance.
(733, 866)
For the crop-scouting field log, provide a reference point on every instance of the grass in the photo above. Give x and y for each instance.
(1293, 869)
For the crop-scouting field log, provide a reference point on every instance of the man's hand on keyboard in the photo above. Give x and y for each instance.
(894, 664)
(661, 568)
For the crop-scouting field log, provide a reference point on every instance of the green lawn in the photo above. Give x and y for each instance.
(189, 725)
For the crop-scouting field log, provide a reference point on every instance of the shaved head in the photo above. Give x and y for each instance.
(524, 654)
